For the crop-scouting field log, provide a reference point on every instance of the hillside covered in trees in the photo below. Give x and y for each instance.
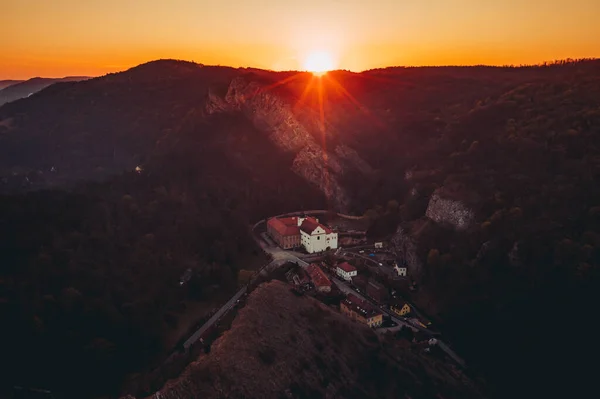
(90, 264)
(526, 162)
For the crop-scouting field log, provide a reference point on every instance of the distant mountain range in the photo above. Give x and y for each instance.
(6, 83)
(11, 90)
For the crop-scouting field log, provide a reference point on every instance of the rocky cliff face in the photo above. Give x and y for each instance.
(273, 116)
(449, 209)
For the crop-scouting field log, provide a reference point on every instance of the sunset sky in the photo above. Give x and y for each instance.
(92, 37)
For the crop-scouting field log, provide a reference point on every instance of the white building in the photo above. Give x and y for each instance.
(346, 271)
(400, 270)
(316, 237)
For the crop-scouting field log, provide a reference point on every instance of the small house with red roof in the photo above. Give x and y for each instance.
(319, 278)
(346, 271)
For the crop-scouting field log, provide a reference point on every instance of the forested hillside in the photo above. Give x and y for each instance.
(529, 268)
(90, 269)
(90, 276)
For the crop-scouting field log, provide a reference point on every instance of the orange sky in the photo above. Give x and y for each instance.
(92, 37)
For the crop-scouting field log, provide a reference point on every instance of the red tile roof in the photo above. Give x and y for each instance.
(285, 226)
(318, 276)
(361, 306)
(291, 221)
(310, 224)
(347, 267)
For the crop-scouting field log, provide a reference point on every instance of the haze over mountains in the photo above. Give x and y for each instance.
(11, 90)
(6, 83)
(487, 178)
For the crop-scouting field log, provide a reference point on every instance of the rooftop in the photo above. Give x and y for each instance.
(318, 276)
(347, 267)
(360, 306)
(397, 303)
(285, 226)
(310, 224)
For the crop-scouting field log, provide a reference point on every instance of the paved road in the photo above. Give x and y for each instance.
(224, 309)
(280, 257)
(388, 270)
(345, 288)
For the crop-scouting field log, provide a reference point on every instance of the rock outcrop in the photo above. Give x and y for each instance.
(452, 208)
(272, 115)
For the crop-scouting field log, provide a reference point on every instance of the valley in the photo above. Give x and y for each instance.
(481, 181)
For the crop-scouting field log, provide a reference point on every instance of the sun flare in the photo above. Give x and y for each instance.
(319, 62)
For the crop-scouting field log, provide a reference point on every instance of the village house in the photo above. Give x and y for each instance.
(346, 271)
(319, 279)
(400, 270)
(293, 232)
(360, 310)
(400, 307)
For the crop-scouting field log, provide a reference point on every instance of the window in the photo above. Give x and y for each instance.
(318, 237)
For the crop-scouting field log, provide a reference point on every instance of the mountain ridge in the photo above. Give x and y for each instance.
(9, 82)
(22, 89)
(485, 180)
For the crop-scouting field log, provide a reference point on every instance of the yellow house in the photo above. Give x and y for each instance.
(361, 311)
(401, 309)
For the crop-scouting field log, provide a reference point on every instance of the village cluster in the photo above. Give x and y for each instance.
(362, 298)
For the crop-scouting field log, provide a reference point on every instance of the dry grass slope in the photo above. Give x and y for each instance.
(284, 346)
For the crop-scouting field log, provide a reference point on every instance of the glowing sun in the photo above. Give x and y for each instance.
(319, 62)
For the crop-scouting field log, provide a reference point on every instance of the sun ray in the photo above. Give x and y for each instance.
(273, 85)
(323, 139)
(307, 89)
(356, 103)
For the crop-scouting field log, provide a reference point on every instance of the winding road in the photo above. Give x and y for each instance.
(280, 257)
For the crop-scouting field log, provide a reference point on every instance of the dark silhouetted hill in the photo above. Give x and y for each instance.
(282, 345)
